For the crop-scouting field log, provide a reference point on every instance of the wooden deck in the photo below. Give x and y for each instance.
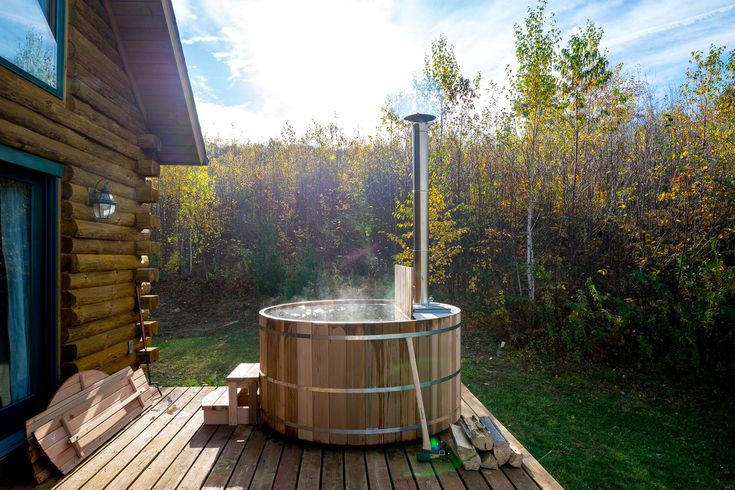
(169, 447)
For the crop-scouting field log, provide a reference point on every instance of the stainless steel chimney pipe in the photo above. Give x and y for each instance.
(421, 206)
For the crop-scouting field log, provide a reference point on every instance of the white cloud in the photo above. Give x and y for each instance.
(300, 61)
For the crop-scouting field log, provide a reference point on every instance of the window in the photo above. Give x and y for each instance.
(28, 290)
(32, 41)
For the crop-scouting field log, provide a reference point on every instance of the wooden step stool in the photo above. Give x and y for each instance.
(236, 403)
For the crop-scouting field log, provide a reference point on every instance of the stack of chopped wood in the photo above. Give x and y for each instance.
(478, 443)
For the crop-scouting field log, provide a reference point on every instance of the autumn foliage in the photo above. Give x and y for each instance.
(573, 210)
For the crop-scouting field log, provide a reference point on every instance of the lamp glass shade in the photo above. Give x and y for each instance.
(103, 204)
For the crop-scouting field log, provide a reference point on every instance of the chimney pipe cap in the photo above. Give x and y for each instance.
(419, 118)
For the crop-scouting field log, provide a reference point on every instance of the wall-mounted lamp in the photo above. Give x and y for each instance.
(102, 203)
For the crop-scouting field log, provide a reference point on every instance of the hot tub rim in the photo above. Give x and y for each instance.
(452, 310)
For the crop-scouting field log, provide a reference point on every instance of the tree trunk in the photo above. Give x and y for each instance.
(529, 245)
(191, 255)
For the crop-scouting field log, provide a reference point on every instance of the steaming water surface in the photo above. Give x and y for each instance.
(340, 312)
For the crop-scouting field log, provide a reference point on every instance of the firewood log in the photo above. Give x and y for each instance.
(488, 460)
(501, 448)
(462, 448)
(516, 458)
(476, 432)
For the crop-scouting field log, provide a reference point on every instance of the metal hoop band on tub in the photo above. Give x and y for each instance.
(356, 391)
(369, 431)
(388, 336)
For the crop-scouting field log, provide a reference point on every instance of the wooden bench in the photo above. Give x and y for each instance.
(236, 403)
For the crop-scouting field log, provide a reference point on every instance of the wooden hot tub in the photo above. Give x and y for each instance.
(338, 372)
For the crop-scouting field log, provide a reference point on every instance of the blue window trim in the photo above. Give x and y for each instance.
(11, 155)
(45, 210)
(58, 91)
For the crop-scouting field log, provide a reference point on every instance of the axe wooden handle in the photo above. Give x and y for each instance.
(425, 441)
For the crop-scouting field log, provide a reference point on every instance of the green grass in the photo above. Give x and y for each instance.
(591, 428)
(589, 432)
(206, 359)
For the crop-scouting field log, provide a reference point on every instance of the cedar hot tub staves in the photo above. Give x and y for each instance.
(338, 371)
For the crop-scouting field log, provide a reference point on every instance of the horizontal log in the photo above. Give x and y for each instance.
(148, 248)
(107, 86)
(146, 193)
(149, 142)
(115, 109)
(150, 301)
(93, 279)
(47, 147)
(96, 263)
(100, 230)
(94, 28)
(149, 168)
(78, 332)
(147, 221)
(125, 185)
(109, 247)
(85, 110)
(104, 360)
(88, 296)
(33, 97)
(77, 210)
(88, 313)
(81, 50)
(146, 275)
(80, 194)
(89, 345)
(151, 329)
(84, 51)
(59, 132)
(150, 358)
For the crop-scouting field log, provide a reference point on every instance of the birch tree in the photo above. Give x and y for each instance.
(533, 97)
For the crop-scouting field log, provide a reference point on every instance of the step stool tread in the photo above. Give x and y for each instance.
(245, 372)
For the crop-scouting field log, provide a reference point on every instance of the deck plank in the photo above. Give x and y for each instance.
(377, 469)
(497, 480)
(519, 478)
(170, 452)
(119, 475)
(288, 468)
(245, 468)
(422, 471)
(198, 472)
(91, 466)
(311, 469)
(447, 475)
(265, 473)
(400, 471)
(225, 464)
(332, 469)
(185, 459)
(355, 475)
(473, 479)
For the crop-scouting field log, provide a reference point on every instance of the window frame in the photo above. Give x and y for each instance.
(60, 29)
(44, 176)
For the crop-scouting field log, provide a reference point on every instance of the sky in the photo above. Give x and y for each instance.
(256, 65)
(17, 18)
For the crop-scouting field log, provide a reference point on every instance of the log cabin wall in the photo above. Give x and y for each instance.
(98, 132)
